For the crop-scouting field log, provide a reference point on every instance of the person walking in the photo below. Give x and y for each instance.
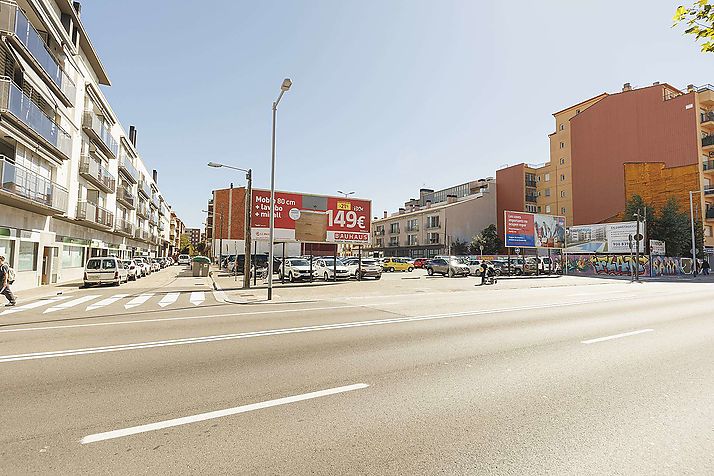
(484, 272)
(705, 268)
(5, 282)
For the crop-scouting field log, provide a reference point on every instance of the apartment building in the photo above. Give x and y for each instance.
(176, 230)
(427, 225)
(73, 184)
(194, 236)
(656, 141)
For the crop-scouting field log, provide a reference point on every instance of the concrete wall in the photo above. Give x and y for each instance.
(510, 192)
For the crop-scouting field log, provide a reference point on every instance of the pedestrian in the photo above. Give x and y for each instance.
(484, 272)
(705, 268)
(5, 282)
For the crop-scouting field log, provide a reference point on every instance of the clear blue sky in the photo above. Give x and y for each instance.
(387, 97)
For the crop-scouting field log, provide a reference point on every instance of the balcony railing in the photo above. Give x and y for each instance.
(708, 165)
(93, 170)
(431, 226)
(707, 140)
(434, 241)
(13, 20)
(145, 189)
(142, 209)
(394, 231)
(27, 184)
(710, 213)
(141, 234)
(126, 196)
(153, 218)
(531, 198)
(379, 232)
(13, 100)
(707, 116)
(94, 213)
(163, 210)
(530, 183)
(709, 190)
(411, 228)
(123, 226)
(94, 123)
(155, 200)
(128, 168)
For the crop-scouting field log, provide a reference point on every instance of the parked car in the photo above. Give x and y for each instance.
(475, 266)
(143, 266)
(517, 266)
(184, 259)
(106, 270)
(155, 265)
(131, 269)
(325, 268)
(397, 264)
(370, 268)
(451, 268)
(295, 269)
(547, 265)
(420, 262)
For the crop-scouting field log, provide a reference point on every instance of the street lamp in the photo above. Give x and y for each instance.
(247, 222)
(283, 89)
(346, 194)
(694, 240)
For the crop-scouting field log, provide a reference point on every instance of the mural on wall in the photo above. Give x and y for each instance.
(670, 266)
(612, 265)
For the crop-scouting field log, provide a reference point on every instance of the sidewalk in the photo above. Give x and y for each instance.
(46, 292)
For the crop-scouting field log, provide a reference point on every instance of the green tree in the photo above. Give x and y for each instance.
(185, 245)
(459, 247)
(635, 203)
(201, 248)
(674, 228)
(489, 239)
(698, 18)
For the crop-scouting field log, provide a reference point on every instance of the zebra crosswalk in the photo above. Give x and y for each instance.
(93, 302)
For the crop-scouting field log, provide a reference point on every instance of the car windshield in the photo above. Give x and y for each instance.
(369, 262)
(299, 262)
(329, 262)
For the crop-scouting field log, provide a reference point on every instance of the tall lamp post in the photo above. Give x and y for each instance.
(694, 239)
(247, 222)
(283, 89)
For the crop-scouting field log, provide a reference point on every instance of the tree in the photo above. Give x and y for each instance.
(185, 245)
(489, 239)
(201, 248)
(674, 228)
(699, 20)
(635, 203)
(459, 247)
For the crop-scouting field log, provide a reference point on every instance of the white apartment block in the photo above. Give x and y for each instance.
(426, 226)
(72, 183)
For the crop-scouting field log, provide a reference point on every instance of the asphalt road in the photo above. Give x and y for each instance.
(607, 379)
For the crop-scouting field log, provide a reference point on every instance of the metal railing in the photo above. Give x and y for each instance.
(125, 195)
(128, 168)
(99, 126)
(707, 116)
(708, 165)
(13, 100)
(394, 231)
(710, 213)
(392, 245)
(145, 188)
(379, 232)
(123, 226)
(709, 190)
(530, 183)
(13, 20)
(90, 212)
(142, 209)
(431, 226)
(532, 198)
(140, 234)
(92, 169)
(707, 140)
(30, 185)
(412, 228)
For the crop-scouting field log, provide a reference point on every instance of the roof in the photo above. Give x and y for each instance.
(431, 209)
(599, 96)
(84, 43)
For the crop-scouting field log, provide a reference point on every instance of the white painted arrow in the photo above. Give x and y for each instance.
(197, 297)
(106, 302)
(138, 301)
(32, 305)
(68, 304)
(169, 299)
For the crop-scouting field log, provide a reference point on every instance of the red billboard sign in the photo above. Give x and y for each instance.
(311, 218)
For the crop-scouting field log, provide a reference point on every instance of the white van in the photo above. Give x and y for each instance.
(106, 270)
(184, 259)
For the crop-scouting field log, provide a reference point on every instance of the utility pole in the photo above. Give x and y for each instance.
(694, 239)
(247, 231)
(637, 248)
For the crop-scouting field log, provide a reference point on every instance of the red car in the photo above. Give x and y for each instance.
(420, 262)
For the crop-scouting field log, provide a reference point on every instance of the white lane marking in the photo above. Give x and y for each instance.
(247, 335)
(32, 305)
(219, 296)
(72, 303)
(168, 299)
(616, 336)
(197, 297)
(109, 435)
(106, 302)
(138, 301)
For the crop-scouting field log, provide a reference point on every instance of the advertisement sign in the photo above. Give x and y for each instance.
(534, 230)
(311, 218)
(602, 238)
(657, 248)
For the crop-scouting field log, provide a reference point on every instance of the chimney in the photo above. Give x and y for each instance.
(451, 199)
(132, 135)
(402, 211)
(656, 83)
(690, 88)
(77, 7)
(626, 87)
(428, 204)
(385, 214)
(155, 176)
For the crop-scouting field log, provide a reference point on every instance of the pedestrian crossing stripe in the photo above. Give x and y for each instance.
(32, 305)
(68, 304)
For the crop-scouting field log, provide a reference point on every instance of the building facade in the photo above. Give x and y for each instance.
(426, 229)
(194, 236)
(596, 147)
(73, 184)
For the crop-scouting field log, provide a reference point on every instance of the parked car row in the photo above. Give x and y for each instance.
(113, 270)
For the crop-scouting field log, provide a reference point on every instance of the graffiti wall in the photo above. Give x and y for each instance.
(670, 266)
(605, 265)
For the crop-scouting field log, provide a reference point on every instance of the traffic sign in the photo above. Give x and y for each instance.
(639, 237)
(518, 251)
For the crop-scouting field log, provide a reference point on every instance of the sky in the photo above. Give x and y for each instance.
(388, 96)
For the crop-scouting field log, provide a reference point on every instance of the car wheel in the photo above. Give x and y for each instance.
(519, 272)
(378, 277)
(390, 269)
(410, 269)
(430, 272)
(451, 273)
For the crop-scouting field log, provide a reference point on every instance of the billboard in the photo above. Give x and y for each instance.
(311, 218)
(534, 230)
(657, 248)
(602, 238)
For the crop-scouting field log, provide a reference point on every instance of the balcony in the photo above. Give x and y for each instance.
(144, 189)
(153, 218)
(531, 183)
(124, 227)
(155, 201)
(433, 226)
(20, 107)
(531, 198)
(412, 228)
(433, 241)
(378, 232)
(140, 234)
(394, 231)
(709, 190)
(34, 49)
(31, 188)
(92, 213)
(710, 213)
(142, 209)
(98, 129)
(163, 210)
(126, 197)
(708, 141)
(128, 168)
(708, 165)
(93, 170)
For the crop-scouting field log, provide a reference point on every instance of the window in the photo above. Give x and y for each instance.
(562, 145)
(547, 208)
(72, 256)
(577, 111)
(7, 248)
(411, 240)
(412, 225)
(432, 221)
(530, 208)
(562, 193)
(562, 161)
(28, 256)
(562, 177)
(539, 209)
(433, 238)
(562, 127)
(547, 192)
(379, 243)
(546, 177)
(394, 228)
(707, 230)
(562, 211)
